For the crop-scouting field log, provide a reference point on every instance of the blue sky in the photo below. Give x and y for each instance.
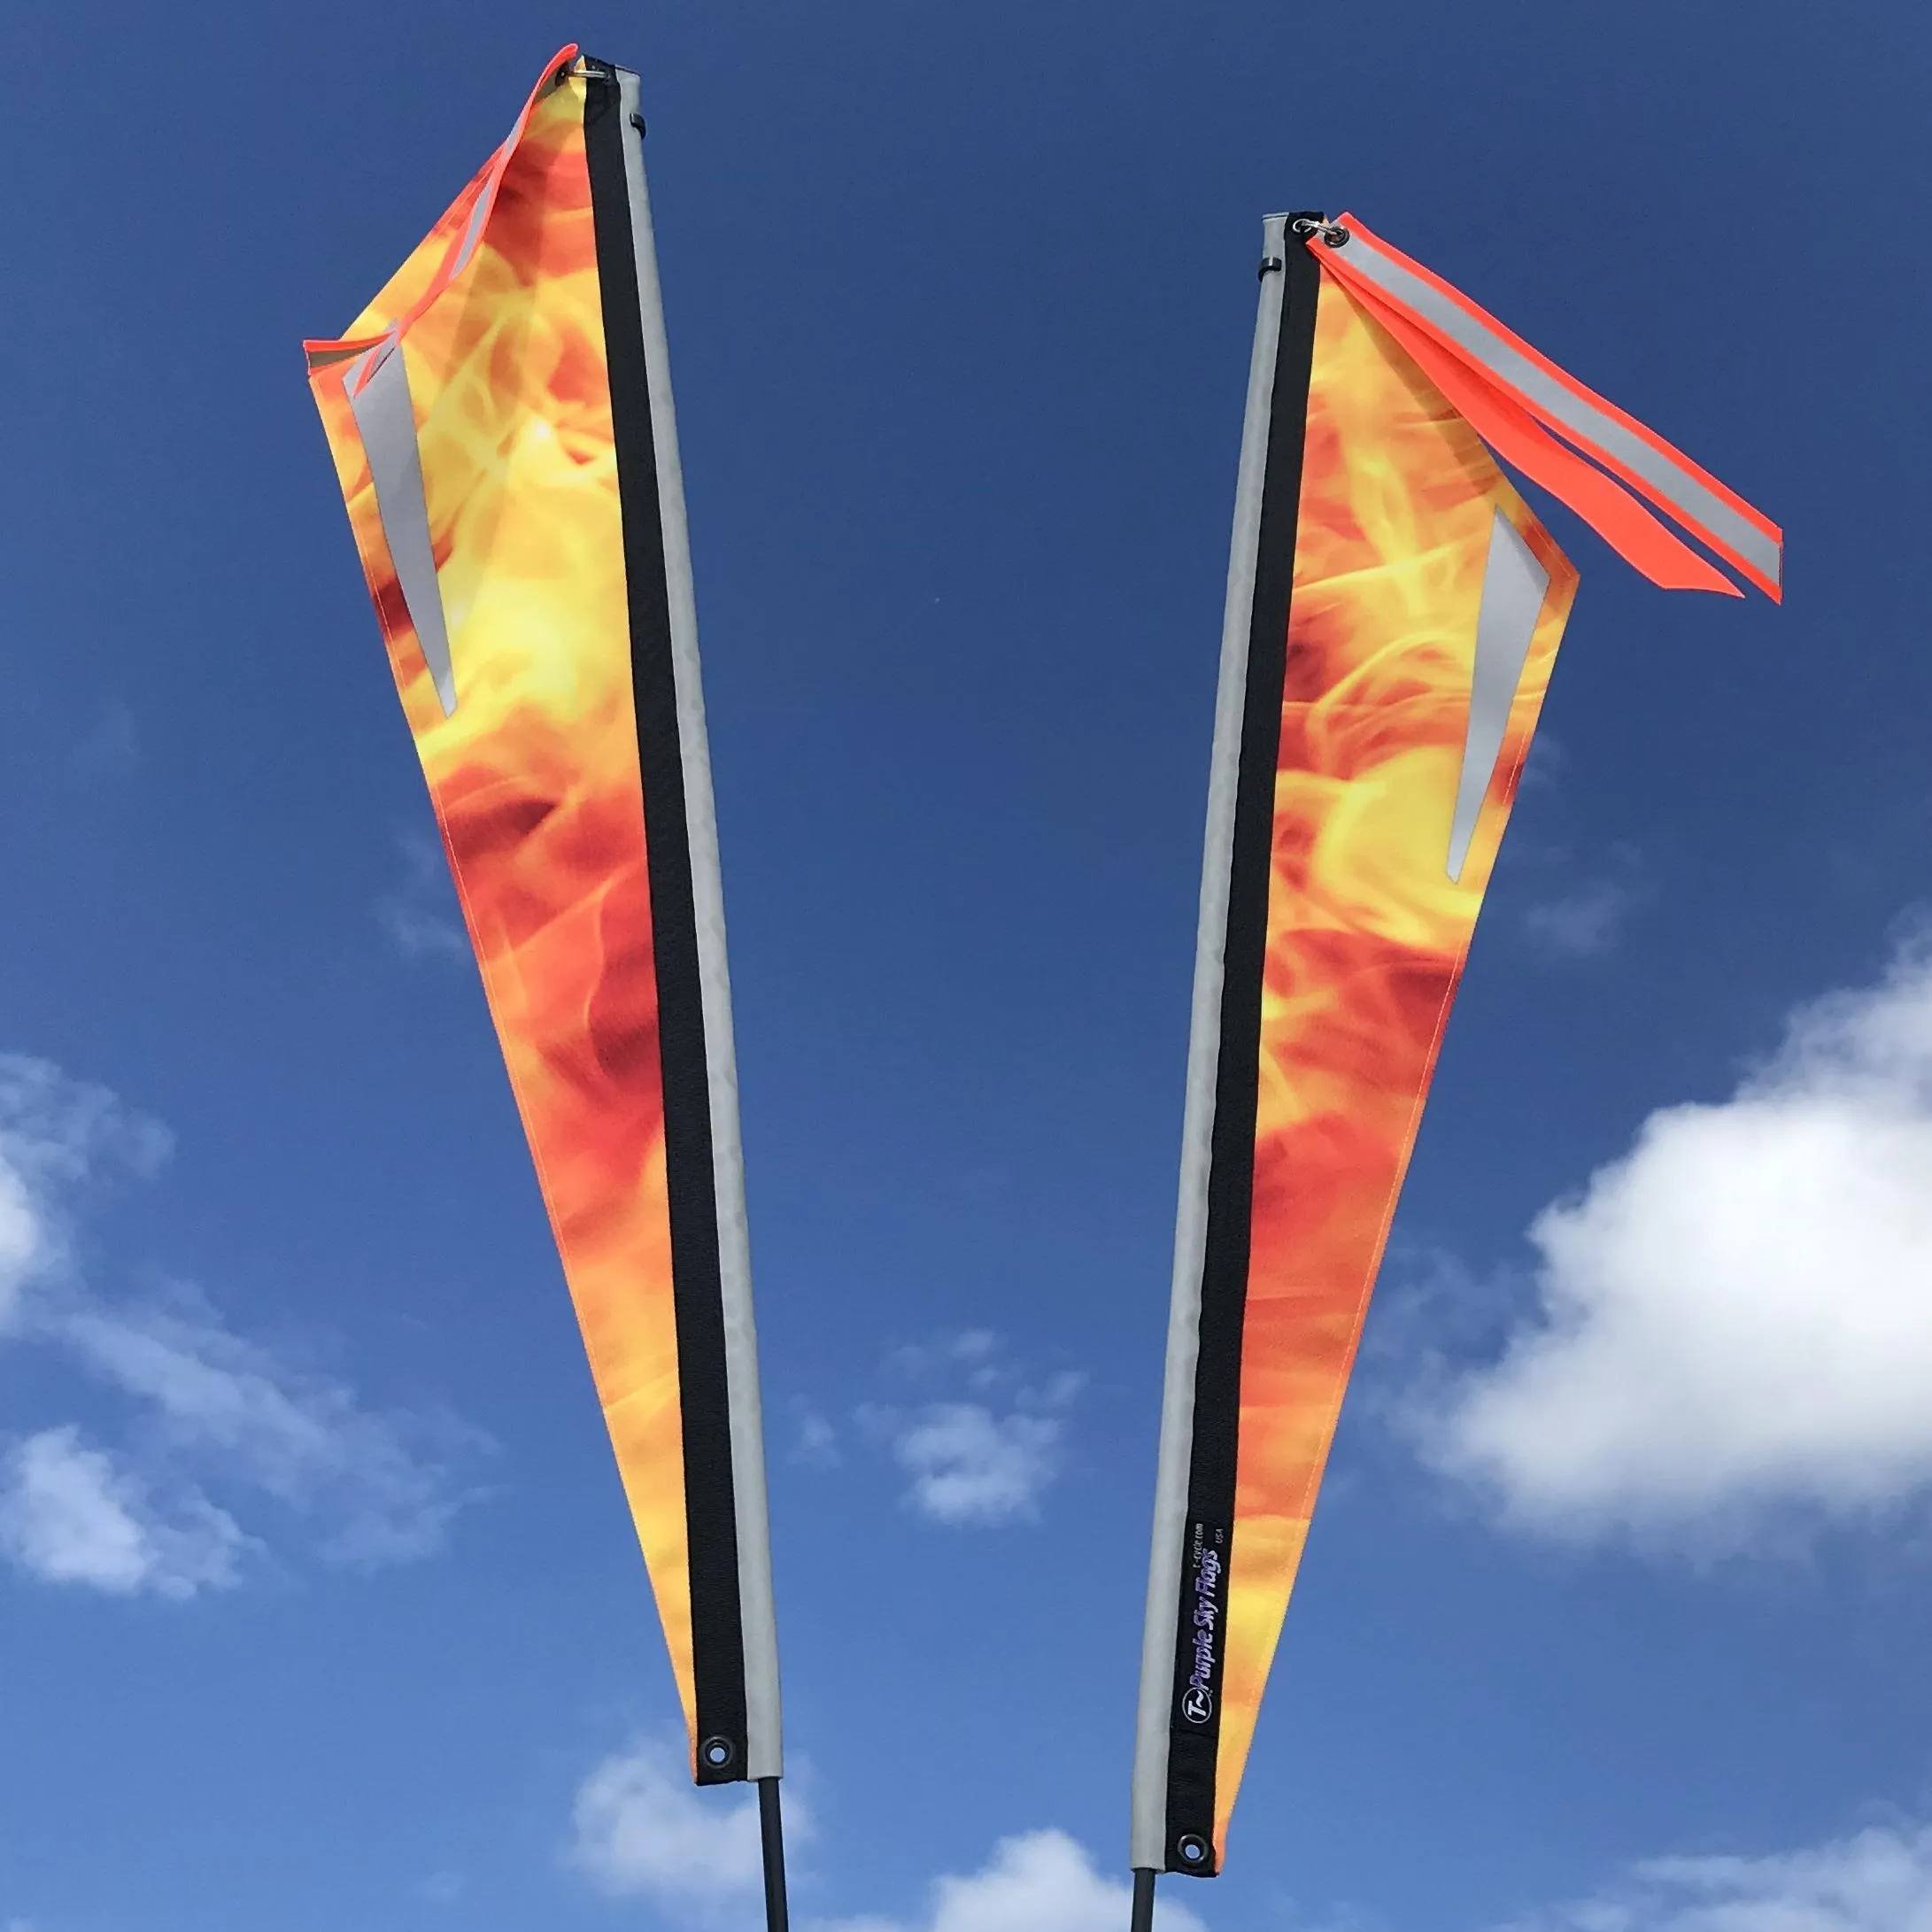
(321, 1605)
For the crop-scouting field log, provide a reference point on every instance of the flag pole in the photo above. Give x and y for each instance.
(1152, 1842)
(771, 1843)
(758, 1617)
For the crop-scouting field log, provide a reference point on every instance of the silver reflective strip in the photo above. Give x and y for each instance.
(764, 1753)
(386, 421)
(1576, 418)
(1148, 1847)
(473, 234)
(1514, 585)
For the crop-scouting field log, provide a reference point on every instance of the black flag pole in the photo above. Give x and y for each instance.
(771, 1840)
(1143, 1899)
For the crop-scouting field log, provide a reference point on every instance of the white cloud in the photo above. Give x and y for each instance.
(1735, 1319)
(205, 1407)
(56, 1130)
(379, 1484)
(1039, 1881)
(642, 1830)
(1878, 1881)
(971, 1466)
(421, 913)
(69, 1514)
(23, 1243)
(980, 1463)
(54, 1133)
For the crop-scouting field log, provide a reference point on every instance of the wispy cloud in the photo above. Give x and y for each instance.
(209, 1417)
(1575, 904)
(977, 1462)
(1572, 904)
(1876, 1881)
(1037, 1882)
(109, 749)
(420, 911)
(72, 1514)
(1583, 921)
(1731, 1329)
(1548, 759)
(815, 1438)
(23, 1243)
(377, 1486)
(969, 1466)
(55, 1134)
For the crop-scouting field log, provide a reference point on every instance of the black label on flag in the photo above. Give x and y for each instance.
(1195, 1730)
(1203, 1629)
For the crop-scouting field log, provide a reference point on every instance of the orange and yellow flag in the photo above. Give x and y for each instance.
(500, 420)
(1394, 611)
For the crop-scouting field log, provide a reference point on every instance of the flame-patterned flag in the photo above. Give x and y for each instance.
(500, 419)
(1393, 612)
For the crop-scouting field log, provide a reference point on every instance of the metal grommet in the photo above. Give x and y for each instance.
(1194, 1851)
(716, 1753)
(1332, 233)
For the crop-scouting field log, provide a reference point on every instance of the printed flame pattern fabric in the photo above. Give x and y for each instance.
(535, 775)
(1402, 611)
(1367, 930)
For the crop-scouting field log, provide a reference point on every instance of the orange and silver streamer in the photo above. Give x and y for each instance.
(500, 419)
(1394, 609)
